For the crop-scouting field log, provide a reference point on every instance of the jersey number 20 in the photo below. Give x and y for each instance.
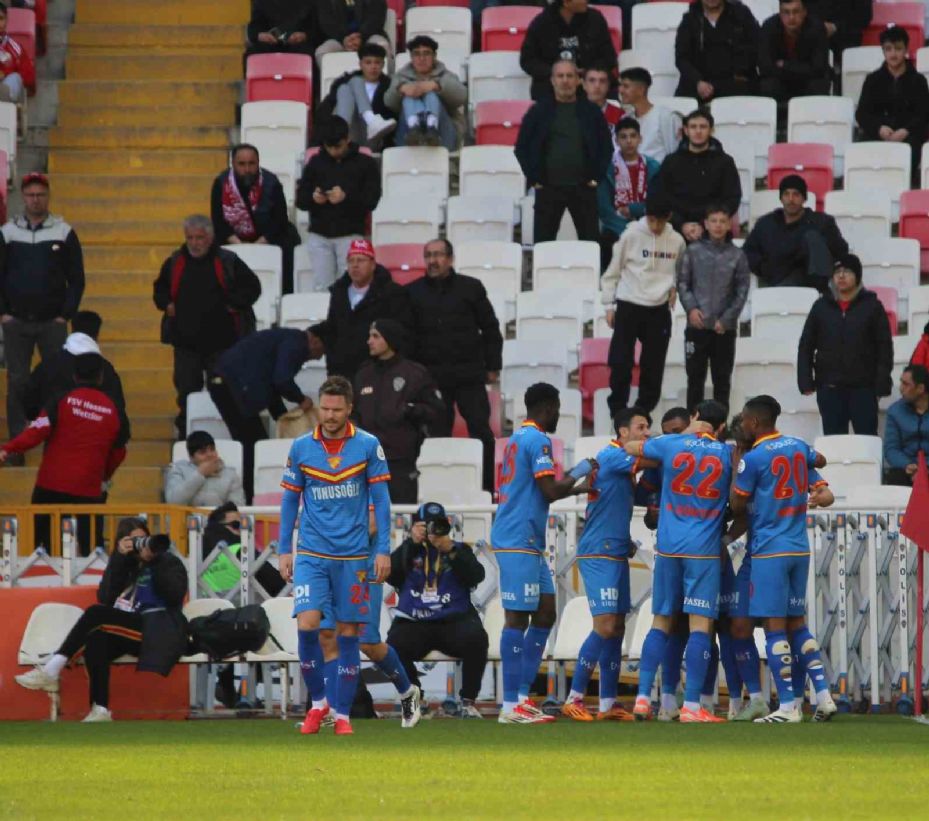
(780, 467)
(686, 464)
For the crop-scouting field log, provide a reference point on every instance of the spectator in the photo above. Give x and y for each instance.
(365, 292)
(349, 25)
(428, 97)
(206, 294)
(697, 174)
(844, 20)
(16, 67)
(904, 436)
(564, 149)
(894, 102)
(434, 577)
(340, 187)
(846, 353)
(41, 284)
(716, 50)
(358, 98)
(596, 85)
(247, 206)
(396, 400)
(138, 613)
(281, 25)
(794, 245)
(660, 127)
(203, 480)
(55, 375)
(793, 54)
(621, 195)
(921, 351)
(713, 284)
(566, 30)
(257, 374)
(638, 292)
(457, 337)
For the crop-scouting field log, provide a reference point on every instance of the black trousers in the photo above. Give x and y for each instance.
(840, 406)
(245, 429)
(652, 327)
(550, 204)
(189, 369)
(706, 347)
(897, 476)
(404, 481)
(474, 407)
(464, 638)
(102, 634)
(607, 240)
(722, 86)
(43, 524)
(784, 90)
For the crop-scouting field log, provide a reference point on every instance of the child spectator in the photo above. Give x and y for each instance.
(202, 480)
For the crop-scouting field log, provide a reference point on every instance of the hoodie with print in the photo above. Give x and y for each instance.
(644, 266)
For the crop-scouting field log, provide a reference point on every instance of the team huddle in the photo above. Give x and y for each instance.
(702, 492)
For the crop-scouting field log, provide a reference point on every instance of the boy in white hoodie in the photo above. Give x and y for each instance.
(638, 290)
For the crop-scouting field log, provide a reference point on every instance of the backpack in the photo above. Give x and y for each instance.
(229, 632)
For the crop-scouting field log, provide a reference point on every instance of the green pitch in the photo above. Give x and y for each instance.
(854, 767)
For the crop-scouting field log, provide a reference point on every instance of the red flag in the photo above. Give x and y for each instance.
(916, 519)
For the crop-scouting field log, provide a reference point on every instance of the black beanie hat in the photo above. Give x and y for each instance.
(849, 262)
(392, 331)
(794, 181)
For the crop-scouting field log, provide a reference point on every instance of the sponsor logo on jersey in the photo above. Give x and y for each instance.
(346, 491)
(334, 461)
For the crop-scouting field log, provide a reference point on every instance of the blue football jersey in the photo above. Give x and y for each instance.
(776, 474)
(522, 509)
(696, 471)
(609, 504)
(333, 477)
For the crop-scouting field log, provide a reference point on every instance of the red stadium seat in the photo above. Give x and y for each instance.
(21, 26)
(399, 9)
(279, 77)
(909, 16)
(889, 299)
(496, 122)
(503, 28)
(914, 222)
(812, 161)
(557, 458)
(593, 372)
(460, 429)
(614, 22)
(403, 260)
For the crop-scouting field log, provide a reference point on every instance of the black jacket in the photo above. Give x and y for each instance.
(850, 17)
(714, 53)
(269, 216)
(457, 335)
(54, 376)
(335, 19)
(357, 175)
(345, 330)
(397, 400)
(586, 40)
(776, 250)
(164, 632)
(810, 60)
(533, 136)
(897, 102)
(692, 181)
(286, 15)
(464, 564)
(854, 349)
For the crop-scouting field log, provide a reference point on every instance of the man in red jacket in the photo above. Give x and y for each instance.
(16, 68)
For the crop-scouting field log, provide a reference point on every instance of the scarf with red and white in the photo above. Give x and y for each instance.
(236, 213)
(624, 193)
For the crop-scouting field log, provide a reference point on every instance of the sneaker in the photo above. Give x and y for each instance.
(826, 710)
(38, 679)
(97, 714)
(380, 127)
(529, 706)
(701, 716)
(343, 727)
(735, 707)
(665, 714)
(520, 714)
(757, 708)
(409, 706)
(314, 719)
(616, 713)
(431, 136)
(642, 709)
(575, 709)
(779, 716)
(469, 710)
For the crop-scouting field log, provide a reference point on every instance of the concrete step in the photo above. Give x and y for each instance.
(106, 36)
(110, 116)
(218, 65)
(130, 485)
(151, 453)
(129, 233)
(145, 93)
(126, 355)
(118, 283)
(145, 327)
(131, 209)
(144, 429)
(137, 307)
(153, 188)
(109, 258)
(160, 403)
(169, 163)
(136, 381)
(121, 137)
(163, 12)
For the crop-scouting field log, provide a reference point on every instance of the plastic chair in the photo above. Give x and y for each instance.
(587, 447)
(279, 76)
(889, 299)
(861, 213)
(415, 172)
(270, 457)
(21, 26)
(665, 76)
(812, 161)
(765, 365)
(266, 262)
(496, 75)
(460, 427)
(561, 264)
(202, 414)
(498, 265)
(593, 372)
(879, 166)
(914, 221)
(746, 120)
(302, 310)
(910, 16)
(404, 261)
(8, 134)
(229, 450)
(334, 65)
(857, 64)
(449, 27)
(781, 312)
(474, 219)
(553, 314)
(402, 220)
(654, 27)
(851, 461)
(490, 171)
(503, 28)
(919, 310)
(761, 9)
(891, 263)
(451, 468)
(574, 626)
(764, 202)
(526, 362)
(277, 127)
(822, 119)
(497, 122)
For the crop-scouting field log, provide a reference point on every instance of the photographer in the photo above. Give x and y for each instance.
(139, 614)
(434, 577)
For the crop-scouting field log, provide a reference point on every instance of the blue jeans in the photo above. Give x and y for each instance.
(430, 104)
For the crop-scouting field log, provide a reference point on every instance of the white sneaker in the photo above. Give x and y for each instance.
(669, 715)
(409, 706)
(758, 708)
(38, 679)
(781, 716)
(379, 126)
(97, 714)
(826, 710)
(735, 707)
(520, 716)
(469, 710)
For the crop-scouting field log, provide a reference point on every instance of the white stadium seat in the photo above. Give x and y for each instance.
(229, 451)
(275, 127)
(499, 265)
(473, 219)
(665, 76)
(863, 213)
(334, 65)
(451, 469)
(496, 75)
(761, 9)
(553, 314)
(743, 155)
(857, 64)
(878, 166)
(202, 414)
(654, 27)
(603, 422)
(401, 219)
(449, 27)
(490, 171)
(746, 120)
(889, 262)
(799, 416)
(574, 625)
(919, 308)
(851, 461)
(781, 312)
(270, 459)
(526, 362)
(302, 310)
(303, 269)
(415, 172)
(8, 131)
(764, 365)
(566, 264)
(822, 119)
(310, 377)
(266, 262)
(682, 106)
(587, 447)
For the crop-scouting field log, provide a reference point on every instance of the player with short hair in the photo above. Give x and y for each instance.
(603, 554)
(695, 474)
(775, 475)
(337, 470)
(527, 487)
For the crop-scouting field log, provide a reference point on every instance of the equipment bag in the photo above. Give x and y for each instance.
(232, 632)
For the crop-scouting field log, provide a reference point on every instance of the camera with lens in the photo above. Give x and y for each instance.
(159, 543)
(439, 527)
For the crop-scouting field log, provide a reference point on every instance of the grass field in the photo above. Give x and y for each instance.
(855, 767)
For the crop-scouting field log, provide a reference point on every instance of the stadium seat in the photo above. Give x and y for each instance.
(587, 447)
(822, 119)
(765, 201)
(614, 22)
(746, 120)
(665, 75)
(8, 136)
(812, 161)
(402, 220)
(303, 269)
(654, 27)
(404, 261)
(229, 450)
(603, 422)
(496, 75)
(265, 261)
(460, 428)
(919, 309)
(449, 27)
(275, 127)
(279, 76)
(450, 469)
(743, 155)
(569, 420)
(452, 60)
(503, 28)
(914, 221)
(761, 9)
(851, 461)
(526, 362)
(764, 365)
(474, 219)
(891, 263)
(566, 230)
(558, 450)
(879, 166)
(889, 299)
(593, 372)
(4, 179)
(281, 646)
(861, 212)
(561, 264)
(490, 171)
(552, 314)
(202, 414)
(799, 416)
(870, 497)
(21, 26)
(910, 16)
(781, 312)
(924, 164)
(857, 64)
(682, 106)
(302, 310)
(311, 377)
(334, 65)
(411, 173)
(270, 458)
(48, 626)
(496, 122)
(498, 265)
(574, 626)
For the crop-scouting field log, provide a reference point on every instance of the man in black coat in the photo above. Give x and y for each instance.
(793, 54)
(566, 30)
(347, 25)
(457, 337)
(697, 175)
(846, 353)
(564, 149)
(281, 26)
(715, 50)
(844, 20)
